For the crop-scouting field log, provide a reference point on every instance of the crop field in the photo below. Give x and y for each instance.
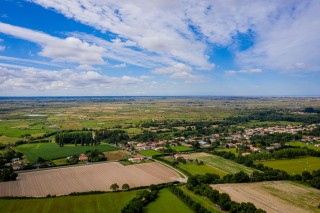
(95, 177)
(181, 148)
(149, 152)
(219, 163)
(116, 155)
(204, 201)
(107, 202)
(296, 165)
(232, 150)
(301, 144)
(274, 196)
(167, 202)
(201, 169)
(54, 151)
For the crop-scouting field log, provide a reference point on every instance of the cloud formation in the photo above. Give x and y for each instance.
(248, 71)
(284, 32)
(65, 50)
(18, 78)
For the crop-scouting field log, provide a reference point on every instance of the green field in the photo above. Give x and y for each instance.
(204, 201)
(220, 163)
(54, 151)
(108, 202)
(181, 148)
(201, 169)
(232, 150)
(149, 152)
(295, 166)
(167, 202)
(301, 144)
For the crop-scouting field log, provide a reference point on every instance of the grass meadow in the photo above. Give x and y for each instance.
(50, 151)
(201, 169)
(221, 164)
(294, 166)
(149, 152)
(167, 202)
(107, 202)
(301, 144)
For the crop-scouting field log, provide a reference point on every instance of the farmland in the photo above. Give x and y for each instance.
(95, 177)
(201, 169)
(220, 163)
(167, 202)
(296, 165)
(116, 155)
(54, 151)
(181, 148)
(297, 143)
(149, 152)
(204, 201)
(274, 197)
(107, 202)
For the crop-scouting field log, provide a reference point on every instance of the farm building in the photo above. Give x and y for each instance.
(83, 157)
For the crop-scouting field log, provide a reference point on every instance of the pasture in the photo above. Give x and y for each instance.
(50, 151)
(301, 144)
(219, 163)
(181, 148)
(274, 196)
(107, 202)
(204, 201)
(117, 155)
(296, 165)
(149, 152)
(201, 169)
(167, 202)
(94, 177)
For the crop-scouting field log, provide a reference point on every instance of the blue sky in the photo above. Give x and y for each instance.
(160, 47)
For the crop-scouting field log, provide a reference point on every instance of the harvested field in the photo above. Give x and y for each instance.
(97, 177)
(274, 196)
(116, 155)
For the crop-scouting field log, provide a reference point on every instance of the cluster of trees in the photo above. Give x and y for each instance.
(287, 153)
(273, 115)
(111, 136)
(199, 185)
(79, 137)
(146, 136)
(6, 172)
(282, 138)
(95, 155)
(197, 207)
(142, 199)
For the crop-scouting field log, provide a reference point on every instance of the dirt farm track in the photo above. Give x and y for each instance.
(96, 177)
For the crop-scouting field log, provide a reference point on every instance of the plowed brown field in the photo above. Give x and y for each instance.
(96, 177)
(274, 196)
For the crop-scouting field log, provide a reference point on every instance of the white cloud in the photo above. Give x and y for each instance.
(2, 48)
(85, 67)
(177, 71)
(285, 32)
(26, 61)
(287, 41)
(119, 65)
(28, 79)
(247, 71)
(159, 27)
(65, 50)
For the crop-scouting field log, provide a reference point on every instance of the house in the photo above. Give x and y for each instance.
(136, 158)
(246, 153)
(17, 165)
(83, 157)
(15, 159)
(176, 156)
